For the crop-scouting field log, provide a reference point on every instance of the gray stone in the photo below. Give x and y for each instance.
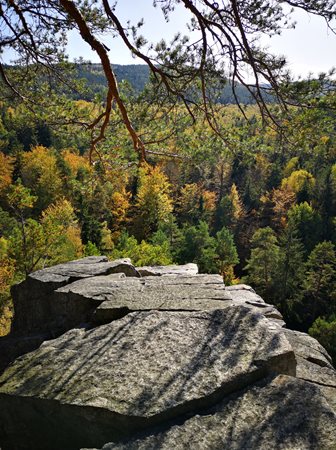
(13, 346)
(313, 364)
(283, 414)
(34, 303)
(329, 394)
(181, 293)
(308, 348)
(185, 362)
(245, 295)
(310, 371)
(240, 287)
(136, 372)
(186, 269)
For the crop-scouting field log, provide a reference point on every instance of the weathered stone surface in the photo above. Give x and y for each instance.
(34, 304)
(181, 293)
(313, 364)
(309, 371)
(329, 394)
(38, 316)
(90, 266)
(186, 269)
(249, 297)
(188, 293)
(13, 346)
(240, 287)
(308, 348)
(284, 414)
(134, 373)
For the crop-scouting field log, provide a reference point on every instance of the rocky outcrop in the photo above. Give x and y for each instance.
(172, 359)
(39, 316)
(34, 303)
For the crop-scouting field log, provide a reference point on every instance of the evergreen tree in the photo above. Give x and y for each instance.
(324, 330)
(262, 266)
(224, 214)
(307, 223)
(196, 245)
(289, 277)
(320, 281)
(226, 253)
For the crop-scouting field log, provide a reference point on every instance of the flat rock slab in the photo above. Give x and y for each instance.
(134, 373)
(180, 293)
(35, 308)
(284, 414)
(91, 266)
(309, 371)
(186, 269)
(308, 348)
(119, 297)
(248, 297)
(240, 287)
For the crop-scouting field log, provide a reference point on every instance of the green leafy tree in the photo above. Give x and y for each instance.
(307, 223)
(91, 249)
(227, 255)
(196, 245)
(262, 266)
(54, 239)
(301, 183)
(142, 254)
(320, 281)
(325, 332)
(289, 276)
(153, 201)
(7, 274)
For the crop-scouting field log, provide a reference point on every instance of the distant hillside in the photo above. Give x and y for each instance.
(138, 75)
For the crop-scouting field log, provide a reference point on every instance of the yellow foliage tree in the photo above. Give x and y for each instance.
(153, 202)
(7, 270)
(120, 206)
(40, 173)
(75, 162)
(299, 181)
(237, 205)
(62, 233)
(55, 239)
(6, 165)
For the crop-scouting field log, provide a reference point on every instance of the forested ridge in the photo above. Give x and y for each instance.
(137, 75)
(258, 206)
